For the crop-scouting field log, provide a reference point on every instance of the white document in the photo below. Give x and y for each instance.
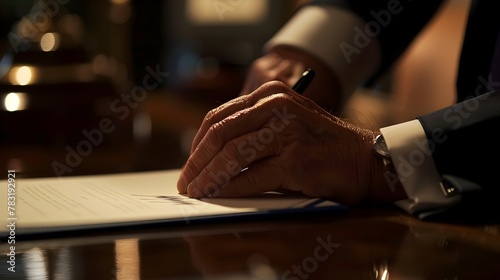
(44, 205)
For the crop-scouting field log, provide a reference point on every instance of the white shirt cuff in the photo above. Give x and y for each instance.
(337, 37)
(411, 155)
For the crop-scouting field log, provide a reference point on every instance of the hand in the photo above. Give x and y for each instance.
(270, 67)
(275, 139)
(286, 64)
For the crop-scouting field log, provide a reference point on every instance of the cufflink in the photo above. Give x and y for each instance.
(452, 185)
(447, 189)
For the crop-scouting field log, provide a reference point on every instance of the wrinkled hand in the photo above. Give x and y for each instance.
(287, 64)
(272, 67)
(275, 139)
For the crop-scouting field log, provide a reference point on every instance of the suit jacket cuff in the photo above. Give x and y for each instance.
(351, 54)
(412, 158)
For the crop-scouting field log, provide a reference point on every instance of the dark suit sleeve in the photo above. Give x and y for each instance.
(466, 150)
(396, 29)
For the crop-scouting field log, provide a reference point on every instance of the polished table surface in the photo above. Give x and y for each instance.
(363, 243)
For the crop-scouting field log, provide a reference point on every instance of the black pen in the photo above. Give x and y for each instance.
(304, 81)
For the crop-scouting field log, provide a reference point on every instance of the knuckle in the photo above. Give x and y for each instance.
(215, 135)
(210, 115)
(260, 61)
(276, 86)
(279, 98)
(259, 66)
(271, 88)
(269, 76)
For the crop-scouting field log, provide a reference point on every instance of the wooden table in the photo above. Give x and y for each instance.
(360, 244)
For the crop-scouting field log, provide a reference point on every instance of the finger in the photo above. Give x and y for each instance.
(268, 68)
(249, 85)
(282, 70)
(259, 72)
(266, 62)
(229, 108)
(265, 175)
(221, 165)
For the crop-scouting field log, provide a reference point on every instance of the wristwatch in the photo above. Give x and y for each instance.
(380, 147)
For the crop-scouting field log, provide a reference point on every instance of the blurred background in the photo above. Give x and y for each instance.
(89, 87)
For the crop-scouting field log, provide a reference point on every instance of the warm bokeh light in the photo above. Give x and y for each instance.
(226, 12)
(119, 13)
(63, 264)
(26, 29)
(16, 164)
(118, 2)
(73, 25)
(259, 266)
(385, 275)
(36, 265)
(127, 259)
(21, 75)
(49, 42)
(100, 64)
(15, 101)
(142, 127)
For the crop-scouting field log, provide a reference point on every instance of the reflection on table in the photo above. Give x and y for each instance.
(362, 244)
